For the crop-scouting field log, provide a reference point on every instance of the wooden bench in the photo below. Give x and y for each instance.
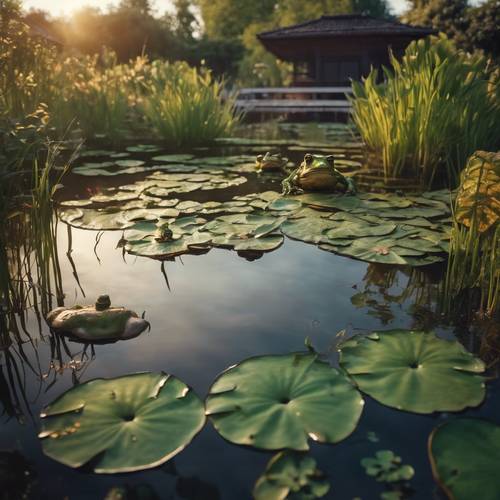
(294, 99)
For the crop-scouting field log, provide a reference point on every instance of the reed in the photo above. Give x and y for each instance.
(435, 108)
(187, 106)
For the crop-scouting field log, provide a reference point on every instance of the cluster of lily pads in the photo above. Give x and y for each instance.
(187, 204)
(281, 402)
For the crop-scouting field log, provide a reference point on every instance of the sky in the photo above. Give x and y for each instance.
(64, 7)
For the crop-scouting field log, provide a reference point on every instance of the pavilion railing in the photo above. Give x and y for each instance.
(294, 99)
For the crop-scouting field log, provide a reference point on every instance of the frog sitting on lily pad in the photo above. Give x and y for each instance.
(97, 323)
(317, 173)
(270, 162)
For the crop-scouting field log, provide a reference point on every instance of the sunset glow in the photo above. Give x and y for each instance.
(65, 7)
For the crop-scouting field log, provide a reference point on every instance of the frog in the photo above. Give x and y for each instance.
(270, 161)
(317, 173)
(97, 323)
(163, 233)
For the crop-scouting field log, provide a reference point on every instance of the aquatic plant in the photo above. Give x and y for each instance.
(148, 419)
(414, 371)
(464, 455)
(437, 106)
(473, 272)
(291, 475)
(275, 402)
(386, 467)
(187, 106)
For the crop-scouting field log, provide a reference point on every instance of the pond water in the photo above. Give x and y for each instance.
(208, 312)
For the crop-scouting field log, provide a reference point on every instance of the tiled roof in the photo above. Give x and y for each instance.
(345, 25)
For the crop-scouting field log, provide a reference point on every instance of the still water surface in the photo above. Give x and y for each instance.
(217, 310)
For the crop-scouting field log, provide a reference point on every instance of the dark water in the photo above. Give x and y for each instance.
(221, 309)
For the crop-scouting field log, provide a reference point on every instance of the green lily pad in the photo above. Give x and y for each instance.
(124, 424)
(464, 455)
(386, 467)
(173, 158)
(291, 475)
(143, 148)
(129, 163)
(285, 204)
(359, 229)
(414, 371)
(276, 402)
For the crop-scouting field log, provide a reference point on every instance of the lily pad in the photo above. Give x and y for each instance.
(124, 424)
(143, 148)
(291, 475)
(129, 163)
(173, 158)
(414, 371)
(464, 455)
(386, 467)
(276, 402)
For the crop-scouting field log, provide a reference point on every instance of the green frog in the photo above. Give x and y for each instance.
(270, 161)
(97, 323)
(317, 173)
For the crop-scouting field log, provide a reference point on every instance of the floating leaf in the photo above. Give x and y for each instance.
(386, 467)
(414, 371)
(291, 475)
(123, 424)
(143, 148)
(464, 454)
(275, 402)
(129, 163)
(173, 158)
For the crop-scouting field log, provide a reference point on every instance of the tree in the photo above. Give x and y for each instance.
(447, 16)
(483, 31)
(228, 19)
(142, 7)
(375, 8)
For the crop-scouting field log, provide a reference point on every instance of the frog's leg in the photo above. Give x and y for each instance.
(289, 183)
(351, 186)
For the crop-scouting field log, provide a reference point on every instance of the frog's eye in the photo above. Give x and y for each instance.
(308, 158)
(330, 159)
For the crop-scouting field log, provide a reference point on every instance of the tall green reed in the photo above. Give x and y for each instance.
(436, 107)
(187, 106)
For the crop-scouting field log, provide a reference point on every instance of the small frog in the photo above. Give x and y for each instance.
(317, 173)
(97, 323)
(163, 233)
(270, 161)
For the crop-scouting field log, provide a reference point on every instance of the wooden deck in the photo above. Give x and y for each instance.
(294, 100)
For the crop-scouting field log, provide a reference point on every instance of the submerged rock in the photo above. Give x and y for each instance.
(99, 322)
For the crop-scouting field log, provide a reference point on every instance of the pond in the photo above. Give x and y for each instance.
(208, 311)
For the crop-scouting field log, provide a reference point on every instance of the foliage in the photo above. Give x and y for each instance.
(464, 455)
(275, 402)
(437, 107)
(470, 27)
(473, 274)
(291, 475)
(186, 106)
(118, 422)
(102, 97)
(414, 371)
(386, 467)
(447, 16)
(483, 32)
